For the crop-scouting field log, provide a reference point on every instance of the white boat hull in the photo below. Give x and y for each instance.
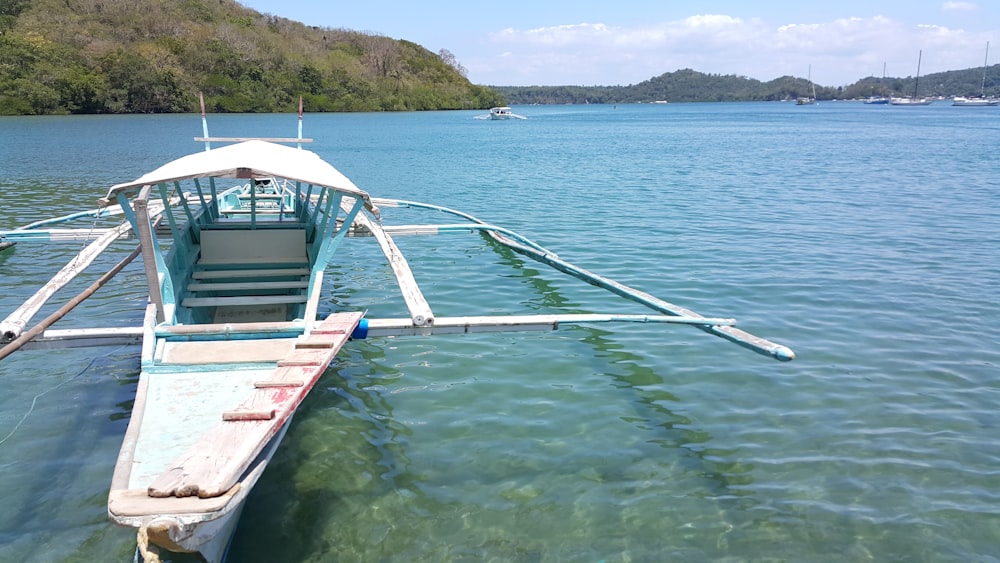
(501, 113)
(910, 102)
(974, 102)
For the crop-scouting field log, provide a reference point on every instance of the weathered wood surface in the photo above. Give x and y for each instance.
(13, 325)
(420, 311)
(230, 328)
(214, 463)
(84, 338)
(205, 352)
(249, 273)
(376, 327)
(52, 235)
(285, 376)
(242, 300)
(241, 139)
(536, 252)
(248, 286)
(730, 333)
(137, 502)
(28, 335)
(509, 323)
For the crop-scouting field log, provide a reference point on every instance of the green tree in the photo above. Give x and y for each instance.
(137, 86)
(311, 79)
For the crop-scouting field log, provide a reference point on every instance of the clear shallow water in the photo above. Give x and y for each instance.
(866, 239)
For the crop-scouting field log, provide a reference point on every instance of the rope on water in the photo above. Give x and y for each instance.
(34, 400)
(149, 553)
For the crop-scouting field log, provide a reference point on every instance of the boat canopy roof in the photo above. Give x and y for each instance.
(249, 159)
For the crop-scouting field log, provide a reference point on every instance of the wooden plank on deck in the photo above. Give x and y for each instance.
(286, 376)
(135, 502)
(308, 357)
(242, 300)
(251, 273)
(248, 285)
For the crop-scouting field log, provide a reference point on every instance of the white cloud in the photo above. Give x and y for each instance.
(839, 51)
(959, 7)
(712, 21)
(557, 35)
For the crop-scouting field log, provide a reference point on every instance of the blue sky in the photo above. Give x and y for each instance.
(604, 42)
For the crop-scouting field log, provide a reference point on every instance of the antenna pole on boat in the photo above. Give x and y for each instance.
(204, 122)
(300, 122)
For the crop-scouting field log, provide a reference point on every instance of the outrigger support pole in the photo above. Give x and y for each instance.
(528, 248)
(140, 206)
(27, 336)
(13, 325)
(730, 333)
(367, 328)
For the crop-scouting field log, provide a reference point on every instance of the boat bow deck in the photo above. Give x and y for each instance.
(201, 436)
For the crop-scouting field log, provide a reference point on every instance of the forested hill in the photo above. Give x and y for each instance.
(144, 56)
(692, 86)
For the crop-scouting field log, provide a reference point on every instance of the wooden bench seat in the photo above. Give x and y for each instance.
(249, 273)
(242, 300)
(234, 261)
(260, 196)
(241, 261)
(261, 211)
(247, 285)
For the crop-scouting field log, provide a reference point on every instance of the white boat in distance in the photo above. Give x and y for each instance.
(874, 100)
(806, 100)
(501, 113)
(982, 100)
(910, 101)
(233, 338)
(974, 102)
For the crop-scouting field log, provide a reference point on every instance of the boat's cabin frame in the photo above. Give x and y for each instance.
(248, 246)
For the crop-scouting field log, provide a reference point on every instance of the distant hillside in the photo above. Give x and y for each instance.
(145, 56)
(691, 86)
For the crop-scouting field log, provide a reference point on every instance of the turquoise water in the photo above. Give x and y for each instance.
(864, 238)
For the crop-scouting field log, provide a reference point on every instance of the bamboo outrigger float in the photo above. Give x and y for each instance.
(232, 340)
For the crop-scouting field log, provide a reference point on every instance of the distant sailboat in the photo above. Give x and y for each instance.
(805, 100)
(915, 100)
(982, 100)
(878, 100)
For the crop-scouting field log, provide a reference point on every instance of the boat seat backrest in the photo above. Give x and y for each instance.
(231, 201)
(253, 247)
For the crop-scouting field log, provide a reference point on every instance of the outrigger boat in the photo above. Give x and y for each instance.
(500, 113)
(232, 340)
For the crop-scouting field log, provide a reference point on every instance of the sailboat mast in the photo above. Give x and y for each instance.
(916, 84)
(982, 89)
